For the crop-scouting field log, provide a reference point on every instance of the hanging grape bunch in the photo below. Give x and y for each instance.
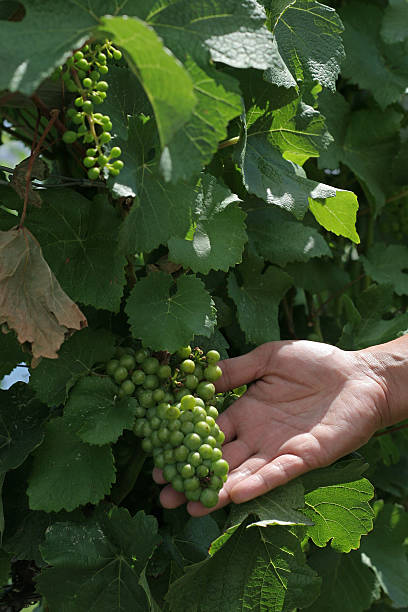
(82, 74)
(176, 416)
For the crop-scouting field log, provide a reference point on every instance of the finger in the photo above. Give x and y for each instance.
(274, 474)
(157, 476)
(226, 424)
(235, 453)
(244, 369)
(169, 498)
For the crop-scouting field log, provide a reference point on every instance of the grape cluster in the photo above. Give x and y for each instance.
(176, 416)
(82, 74)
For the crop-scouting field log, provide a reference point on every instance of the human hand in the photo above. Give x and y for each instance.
(310, 404)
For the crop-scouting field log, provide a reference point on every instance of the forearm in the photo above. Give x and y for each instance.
(389, 365)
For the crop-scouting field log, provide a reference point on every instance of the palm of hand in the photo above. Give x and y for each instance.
(310, 405)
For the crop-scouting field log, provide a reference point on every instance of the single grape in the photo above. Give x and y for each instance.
(192, 441)
(127, 361)
(79, 101)
(128, 387)
(186, 415)
(210, 421)
(150, 365)
(210, 440)
(181, 393)
(187, 366)
(146, 399)
(138, 377)
(118, 164)
(102, 86)
(206, 451)
(191, 483)
(169, 471)
(173, 424)
(168, 456)
(173, 412)
(78, 118)
(102, 160)
(91, 152)
(104, 137)
(212, 412)
(147, 445)
(141, 355)
(117, 55)
(159, 461)
(95, 75)
(93, 173)
(116, 152)
(111, 366)
(184, 352)
(87, 82)
(216, 454)
(202, 471)
(213, 357)
(164, 372)
(220, 467)
(193, 495)
(120, 374)
(181, 453)
(155, 422)
(101, 57)
(191, 381)
(187, 427)
(212, 373)
(215, 483)
(178, 483)
(87, 107)
(151, 382)
(209, 498)
(158, 394)
(176, 438)
(78, 55)
(103, 69)
(202, 428)
(187, 471)
(82, 64)
(187, 402)
(140, 412)
(194, 458)
(163, 434)
(199, 414)
(205, 390)
(69, 137)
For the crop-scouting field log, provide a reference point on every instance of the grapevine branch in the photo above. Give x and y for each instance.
(34, 154)
(390, 431)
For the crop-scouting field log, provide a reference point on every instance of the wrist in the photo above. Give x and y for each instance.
(388, 366)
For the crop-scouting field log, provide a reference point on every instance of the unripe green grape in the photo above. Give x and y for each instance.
(169, 397)
(152, 410)
(194, 458)
(158, 394)
(102, 94)
(162, 407)
(212, 412)
(87, 107)
(78, 55)
(164, 372)
(146, 399)
(181, 453)
(103, 69)
(181, 393)
(127, 361)
(117, 55)
(81, 74)
(187, 402)
(118, 165)
(187, 427)
(89, 162)
(210, 440)
(187, 366)
(71, 112)
(107, 126)
(96, 99)
(98, 117)
(178, 484)
(186, 415)
(120, 374)
(192, 441)
(95, 75)
(116, 152)
(199, 414)
(82, 129)
(87, 82)
(213, 357)
(159, 461)
(212, 373)
(173, 424)
(220, 467)
(210, 421)
(79, 101)
(202, 428)
(147, 429)
(78, 118)
(184, 352)
(138, 377)
(138, 428)
(193, 495)
(151, 382)
(191, 483)
(205, 390)
(176, 438)
(215, 483)
(101, 57)
(69, 137)
(209, 498)
(199, 372)
(191, 380)
(169, 472)
(202, 471)
(150, 365)
(206, 451)
(140, 412)
(111, 366)
(163, 434)
(141, 355)
(91, 152)
(220, 438)
(168, 456)
(82, 64)
(155, 422)
(102, 160)
(216, 454)
(113, 171)
(173, 412)
(187, 471)
(199, 402)
(127, 387)
(147, 445)
(102, 86)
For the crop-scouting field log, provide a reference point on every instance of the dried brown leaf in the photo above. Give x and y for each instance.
(32, 301)
(19, 180)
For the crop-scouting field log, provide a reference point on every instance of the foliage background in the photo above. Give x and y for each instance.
(264, 196)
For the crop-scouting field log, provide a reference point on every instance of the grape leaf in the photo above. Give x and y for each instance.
(67, 473)
(52, 380)
(276, 9)
(276, 180)
(340, 512)
(21, 425)
(10, 353)
(258, 569)
(318, 275)
(282, 506)
(194, 538)
(149, 60)
(231, 32)
(97, 566)
(339, 571)
(159, 210)
(257, 301)
(218, 101)
(388, 265)
(394, 27)
(309, 40)
(338, 214)
(384, 553)
(369, 61)
(79, 239)
(166, 314)
(364, 150)
(219, 231)
(280, 239)
(95, 413)
(34, 305)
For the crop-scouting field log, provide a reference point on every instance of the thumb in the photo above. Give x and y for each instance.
(242, 370)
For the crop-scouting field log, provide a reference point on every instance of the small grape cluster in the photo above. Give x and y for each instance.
(176, 416)
(82, 75)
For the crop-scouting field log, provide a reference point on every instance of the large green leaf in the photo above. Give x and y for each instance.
(228, 31)
(79, 239)
(384, 552)
(11, 353)
(95, 413)
(276, 180)
(21, 425)
(149, 60)
(280, 238)
(52, 379)
(67, 473)
(282, 506)
(369, 61)
(255, 569)
(348, 585)
(167, 314)
(394, 26)
(387, 264)
(310, 41)
(219, 232)
(159, 210)
(218, 101)
(97, 565)
(257, 300)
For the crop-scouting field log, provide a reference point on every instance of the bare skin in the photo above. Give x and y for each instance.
(310, 404)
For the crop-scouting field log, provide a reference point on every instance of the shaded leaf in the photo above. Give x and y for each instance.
(95, 413)
(387, 264)
(10, 353)
(32, 301)
(394, 27)
(67, 473)
(18, 181)
(167, 315)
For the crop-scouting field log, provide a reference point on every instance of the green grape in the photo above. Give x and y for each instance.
(162, 407)
(147, 445)
(78, 55)
(82, 64)
(158, 394)
(151, 382)
(202, 471)
(159, 461)
(173, 412)
(140, 412)
(163, 434)
(146, 399)
(104, 137)
(194, 458)
(173, 424)
(206, 451)
(118, 164)
(78, 118)
(93, 173)
(211, 441)
(213, 357)
(184, 352)
(127, 361)
(89, 162)
(155, 422)
(117, 55)
(187, 471)
(210, 421)
(192, 441)
(150, 365)
(101, 57)
(87, 107)
(215, 483)
(202, 428)
(69, 137)
(169, 472)
(186, 415)
(95, 75)
(87, 82)
(102, 86)
(116, 152)
(187, 366)
(127, 387)
(181, 393)
(187, 402)
(103, 69)
(141, 355)
(114, 171)
(191, 483)
(191, 381)
(178, 483)
(212, 373)
(96, 99)
(181, 453)
(164, 371)
(212, 412)
(79, 101)
(216, 454)
(91, 152)
(168, 456)
(209, 498)
(220, 467)
(138, 377)
(205, 390)
(102, 160)
(120, 374)
(199, 414)
(111, 366)
(176, 438)
(187, 427)
(193, 495)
